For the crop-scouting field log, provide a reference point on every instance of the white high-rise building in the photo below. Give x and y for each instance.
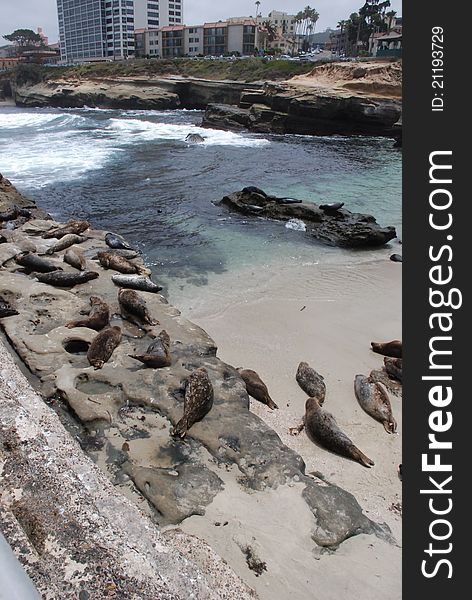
(92, 30)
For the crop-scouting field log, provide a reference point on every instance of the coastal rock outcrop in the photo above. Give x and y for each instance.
(338, 227)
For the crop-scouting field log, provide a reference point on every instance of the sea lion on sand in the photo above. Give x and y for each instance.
(394, 367)
(321, 428)
(103, 346)
(66, 242)
(136, 282)
(6, 309)
(134, 308)
(196, 138)
(33, 262)
(157, 355)
(61, 279)
(197, 402)
(396, 258)
(75, 258)
(332, 207)
(256, 388)
(393, 348)
(71, 227)
(374, 400)
(112, 240)
(311, 382)
(108, 260)
(98, 316)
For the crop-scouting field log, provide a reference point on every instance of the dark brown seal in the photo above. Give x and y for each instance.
(311, 382)
(134, 308)
(71, 227)
(103, 346)
(321, 428)
(75, 258)
(374, 400)
(394, 367)
(6, 309)
(62, 279)
(256, 388)
(197, 403)
(109, 260)
(393, 348)
(33, 262)
(98, 315)
(158, 353)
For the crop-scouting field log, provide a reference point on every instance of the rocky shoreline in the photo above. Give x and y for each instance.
(122, 415)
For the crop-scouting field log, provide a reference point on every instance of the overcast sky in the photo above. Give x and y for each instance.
(30, 14)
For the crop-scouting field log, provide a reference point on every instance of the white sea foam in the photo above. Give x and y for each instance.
(18, 120)
(296, 225)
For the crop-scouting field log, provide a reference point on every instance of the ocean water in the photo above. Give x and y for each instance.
(133, 173)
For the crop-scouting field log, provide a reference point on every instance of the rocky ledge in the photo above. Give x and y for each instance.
(330, 223)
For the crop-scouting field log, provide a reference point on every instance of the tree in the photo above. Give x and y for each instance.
(390, 16)
(306, 21)
(24, 39)
(268, 33)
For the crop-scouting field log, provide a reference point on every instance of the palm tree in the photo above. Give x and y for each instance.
(306, 21)
(341, 44)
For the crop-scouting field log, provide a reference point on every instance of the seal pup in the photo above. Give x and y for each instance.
(98, 315)
(75, 258)
(332, 207)
(393, 348)
(112, 240)
(322, 429)
(256, 388)
(64, 279)
(374, 400)
(6, 309)
(136, 282)
(197, 402)
(394, 367)
(195, 138)
(71, 227)
(157, 355)
(65, 242)
(33, 262)
(108, 260)
(134, 308)
(311, 382)
(103, 346)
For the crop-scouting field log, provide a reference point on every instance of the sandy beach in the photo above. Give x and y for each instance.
(326, 315)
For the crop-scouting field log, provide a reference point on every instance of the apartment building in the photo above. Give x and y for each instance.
(92, 30)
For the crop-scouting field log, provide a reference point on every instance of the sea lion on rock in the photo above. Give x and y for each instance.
(75, 258)
(396, 258)
(71, 227)
(134, 308)
(33, 262)
(321, 428)
(98, 316)
(393, 348)
(374, 400)
(66, 242)
(62, 279)
(256, 388)
(196, 138)
(394, 367)
(103, 346)
(6, 309)
(112, 240)
(157, 355)
(311, 382)
(252, 189)
(197, 402)
(332, 207)
(136, 282)
(108, 260)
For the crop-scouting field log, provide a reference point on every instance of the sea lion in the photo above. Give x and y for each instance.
(66, 242)
(6, 309)
(321, 428)
(252, 189)
(62, 279)
(14, 212)
(256, 388)
(311, 382)
(108, 260)
(75, 258)
(196, 138)
(394, 367)
(396, 258)
(136, 282)
(103, 346)
(112, 240)
(71, 227)
(98, 315)
(33, 262)
(332, 207)
(393, 348)
(374, 400)
(157, 355)
(197, 402)
(134, 308)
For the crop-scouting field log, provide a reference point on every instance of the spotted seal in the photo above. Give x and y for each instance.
(197, 402)
(374, 400)
(103, 345)
(158, 353)
(98, 315)
(71, 227)
(256, 388)
(311, 382)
